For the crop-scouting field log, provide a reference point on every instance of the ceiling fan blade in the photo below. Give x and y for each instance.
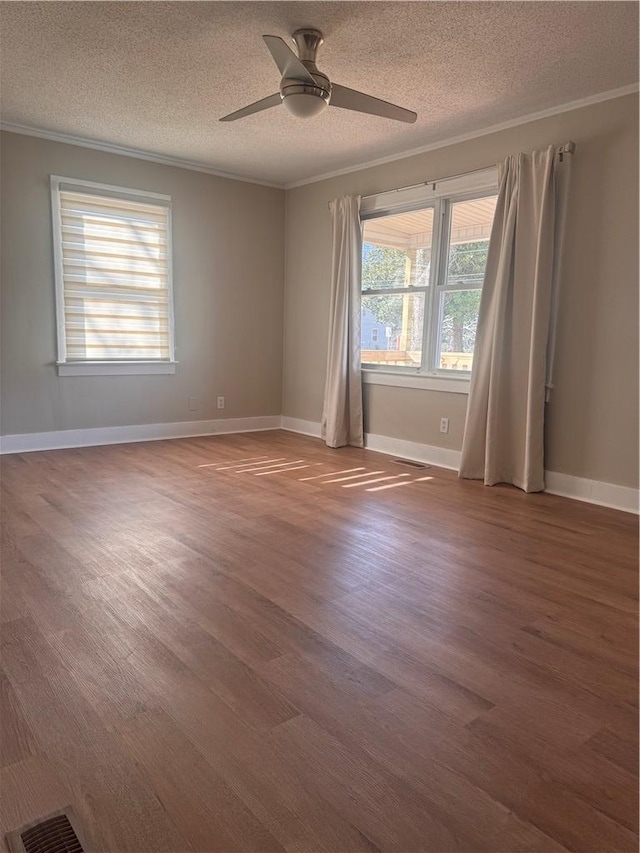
(349, 99)
(286, 60)
(258, 106)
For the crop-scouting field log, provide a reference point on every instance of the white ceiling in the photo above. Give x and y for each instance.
(156, 76)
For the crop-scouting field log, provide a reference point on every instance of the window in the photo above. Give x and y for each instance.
(423, 264)
(374, 336)
(112, 249)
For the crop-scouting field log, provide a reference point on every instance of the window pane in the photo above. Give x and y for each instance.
(469, 240)
(391, 330)
(396, 250)
(457, 329)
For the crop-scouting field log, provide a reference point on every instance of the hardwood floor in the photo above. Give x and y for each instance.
(254, 643)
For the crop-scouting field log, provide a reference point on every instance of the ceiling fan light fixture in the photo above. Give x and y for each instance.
(304, 106)
(304, 101)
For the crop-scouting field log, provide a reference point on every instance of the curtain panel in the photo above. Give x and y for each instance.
(504, 431)
(342, 412)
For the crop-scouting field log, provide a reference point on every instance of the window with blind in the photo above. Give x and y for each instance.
(112, 250)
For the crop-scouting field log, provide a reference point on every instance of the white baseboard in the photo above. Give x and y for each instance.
(592, 491)
(564, 485)
(303, 427)
(427, 453)
(66, 438)
(430, 454)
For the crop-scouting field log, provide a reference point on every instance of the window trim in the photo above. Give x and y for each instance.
(115, 368)
(438, 195)
(458, 384)
(129, 366)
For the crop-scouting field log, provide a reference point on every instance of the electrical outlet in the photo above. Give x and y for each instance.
(194, 404)
(444, 424)
(221, 402)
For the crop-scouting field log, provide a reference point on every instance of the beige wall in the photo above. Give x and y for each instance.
(228, 281)
(228, 268)
(592, 418)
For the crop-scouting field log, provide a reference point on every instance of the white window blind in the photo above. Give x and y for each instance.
(113, 274)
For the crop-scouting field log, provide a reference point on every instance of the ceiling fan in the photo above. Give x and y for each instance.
(305, 91)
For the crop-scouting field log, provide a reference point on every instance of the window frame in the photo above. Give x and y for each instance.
(92, 367)
(440, 196)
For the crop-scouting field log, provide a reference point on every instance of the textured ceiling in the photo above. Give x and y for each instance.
(156, 76)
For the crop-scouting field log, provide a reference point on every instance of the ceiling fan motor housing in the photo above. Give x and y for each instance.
(302, 99)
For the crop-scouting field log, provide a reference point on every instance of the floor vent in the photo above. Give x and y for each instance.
(410, 463)
(57, 833)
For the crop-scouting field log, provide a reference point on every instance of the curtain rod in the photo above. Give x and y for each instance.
(567, 148)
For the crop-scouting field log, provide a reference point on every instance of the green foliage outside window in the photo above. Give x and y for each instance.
(384, 267)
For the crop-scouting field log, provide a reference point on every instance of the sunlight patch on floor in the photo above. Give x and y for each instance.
(354, 476)
(245, 465)
(330, 473)
(395, 485)
(281, 470)
(375, 480)
(235, 464)
(270, 467)
(256, 466)
(348, 478)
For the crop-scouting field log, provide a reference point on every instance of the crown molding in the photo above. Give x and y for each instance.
(123, 151)
(466, 137)
(194, 166)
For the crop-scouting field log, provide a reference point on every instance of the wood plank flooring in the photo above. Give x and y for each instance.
(254, 643)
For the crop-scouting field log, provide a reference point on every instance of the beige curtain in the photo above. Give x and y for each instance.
(504, 432)
(342, 412)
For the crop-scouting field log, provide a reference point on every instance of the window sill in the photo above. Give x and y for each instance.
(449, 384)
(116, 368)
